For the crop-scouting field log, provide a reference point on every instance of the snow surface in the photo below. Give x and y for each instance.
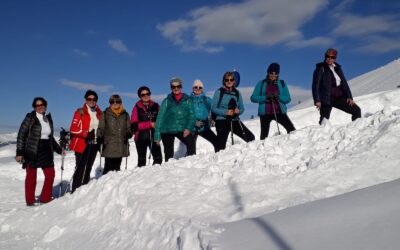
(206, 201)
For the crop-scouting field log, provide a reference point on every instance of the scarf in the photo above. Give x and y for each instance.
(118, 111)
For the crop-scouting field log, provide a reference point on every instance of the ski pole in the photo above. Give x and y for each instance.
(276, 118)
(241, 127)
(233, 142)
(150, 147)
(62, 171)
(127, 154)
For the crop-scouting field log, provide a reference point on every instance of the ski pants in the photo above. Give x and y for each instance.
(224, 127)
(210, 137)
(30, 184)
(141, 148)
(282, 119)
(339, 103)
(84, 163)
(112, 164)
(168, 142)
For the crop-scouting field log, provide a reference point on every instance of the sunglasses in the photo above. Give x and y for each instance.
(145, 94)
(91, 99)
(330, 57)
(197, 87)
(273, 74)
(40, 105)
(229, 80)
(176, 87)
(116, 102)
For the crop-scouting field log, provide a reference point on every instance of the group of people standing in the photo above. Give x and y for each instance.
(179, 116)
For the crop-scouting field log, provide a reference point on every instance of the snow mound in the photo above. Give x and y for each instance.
(177, 204)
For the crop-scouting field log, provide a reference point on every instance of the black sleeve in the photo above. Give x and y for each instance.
(22, 135)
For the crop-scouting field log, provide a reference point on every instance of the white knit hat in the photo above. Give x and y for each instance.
(198, 83)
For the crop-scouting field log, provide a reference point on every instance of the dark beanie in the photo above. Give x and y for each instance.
(91, 92)
(273, 67)
(141, 89)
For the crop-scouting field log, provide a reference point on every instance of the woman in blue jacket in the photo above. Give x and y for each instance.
(202, 107)
(272, 95)
(227, 105)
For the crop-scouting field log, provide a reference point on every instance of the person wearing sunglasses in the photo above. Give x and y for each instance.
(227, 105)
(35, 149)
(83, 138)
(202, 108)
(272, 95)
(143, 122)
(176, 119)
(330, 89)
(114, 132)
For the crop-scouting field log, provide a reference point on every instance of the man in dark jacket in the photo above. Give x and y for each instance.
(330, 88)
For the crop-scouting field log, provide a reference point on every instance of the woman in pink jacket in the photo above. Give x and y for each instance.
(143, 121)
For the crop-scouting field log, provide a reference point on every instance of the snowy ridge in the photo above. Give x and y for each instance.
(177, 204)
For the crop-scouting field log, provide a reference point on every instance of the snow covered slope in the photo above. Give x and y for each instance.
(182, 204)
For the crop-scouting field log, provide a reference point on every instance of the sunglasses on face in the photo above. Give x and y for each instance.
(330, 57)
(197, 87)
(144, 94)
(229, 80)
(116, 102)
(273, 74)
(91, 99)
(39, 105)
(176, 87)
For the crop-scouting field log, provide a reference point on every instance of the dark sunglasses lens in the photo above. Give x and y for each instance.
(198, 87)
(39, 105)
(91, 99)
(176, 87)
(330, 57)
(229, 80)
(144, 94)
(116, 102)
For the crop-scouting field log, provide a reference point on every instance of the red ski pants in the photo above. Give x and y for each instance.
(30, 184)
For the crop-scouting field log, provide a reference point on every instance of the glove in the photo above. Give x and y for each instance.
(199, 124)
(272, 97)
(90, 137)
(100, 140)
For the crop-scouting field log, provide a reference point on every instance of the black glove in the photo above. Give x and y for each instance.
(90, 137)
(100, 140)
(272, 97)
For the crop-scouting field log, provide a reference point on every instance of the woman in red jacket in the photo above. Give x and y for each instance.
(83, 140)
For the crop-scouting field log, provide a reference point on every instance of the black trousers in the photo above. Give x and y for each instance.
(224, 127)
(141, 148)
(168, 142)
(339, 103)
(282, 119)
(112, 164)
(84, 163)
(210, 137)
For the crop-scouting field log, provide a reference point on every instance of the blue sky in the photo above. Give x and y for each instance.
(58, 49)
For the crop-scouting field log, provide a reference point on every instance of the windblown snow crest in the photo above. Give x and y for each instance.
(177, 205)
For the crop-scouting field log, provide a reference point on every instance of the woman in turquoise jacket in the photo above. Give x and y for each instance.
(227, 105)
(176, 118)
(272, 95)
(202, 107)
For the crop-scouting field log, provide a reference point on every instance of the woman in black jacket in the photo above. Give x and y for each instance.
(35, 149)
(330, 89)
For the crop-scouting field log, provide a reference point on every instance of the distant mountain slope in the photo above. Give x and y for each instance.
(381, 79)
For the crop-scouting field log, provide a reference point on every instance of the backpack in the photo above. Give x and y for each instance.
(221, 94)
